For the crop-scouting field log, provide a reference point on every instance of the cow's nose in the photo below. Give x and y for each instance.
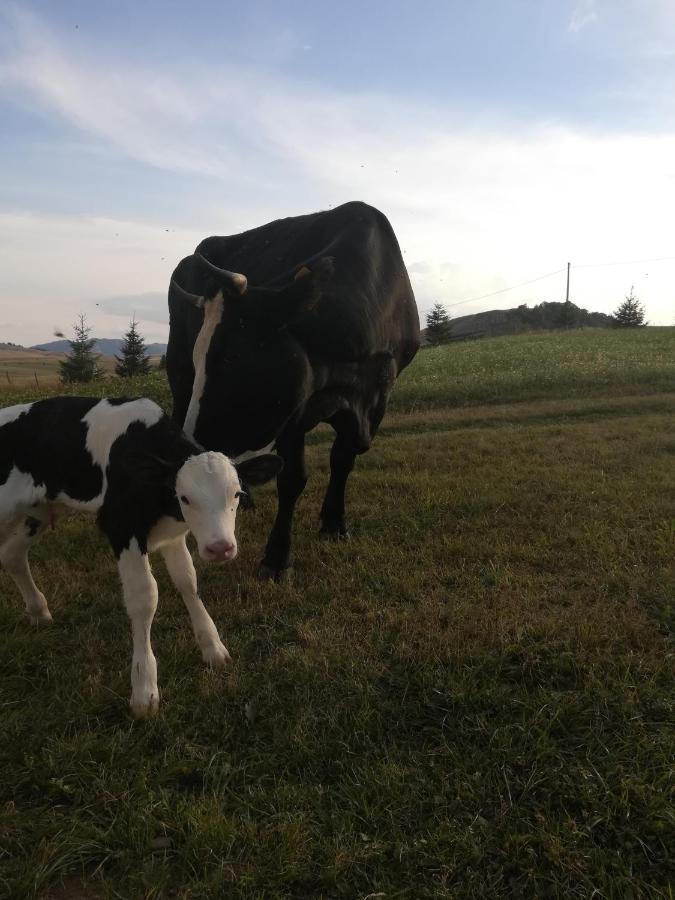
(219, 551)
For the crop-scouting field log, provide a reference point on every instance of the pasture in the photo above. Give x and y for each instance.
(473, 698)
(22, 367)
(39, 369)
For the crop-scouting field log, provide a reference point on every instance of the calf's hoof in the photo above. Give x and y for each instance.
(143, 708)
(40, 618)
(38, 611)
(279, 576)
(216, 656)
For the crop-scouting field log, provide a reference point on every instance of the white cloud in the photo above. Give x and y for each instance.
(148, 307)
(584, 13)
(54, 267)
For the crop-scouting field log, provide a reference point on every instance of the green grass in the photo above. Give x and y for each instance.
(590, 362)
(473, 698)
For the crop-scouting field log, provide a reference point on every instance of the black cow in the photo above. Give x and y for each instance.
(322, 336)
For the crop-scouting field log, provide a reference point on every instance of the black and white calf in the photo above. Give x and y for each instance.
(148, 485)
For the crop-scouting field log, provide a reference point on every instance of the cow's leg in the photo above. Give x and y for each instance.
(291, 482)
(14, 558)
(342, 458)
(182, 572)
(140, 598)
(353, 435)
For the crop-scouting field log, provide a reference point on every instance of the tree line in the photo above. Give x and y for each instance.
(629, 314)
(82, 362)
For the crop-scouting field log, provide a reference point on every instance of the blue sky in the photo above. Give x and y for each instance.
(501, 138)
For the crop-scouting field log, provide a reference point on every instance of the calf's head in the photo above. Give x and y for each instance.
(209, 491)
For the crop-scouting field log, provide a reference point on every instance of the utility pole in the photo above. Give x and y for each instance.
(567, 295)
(567, 314)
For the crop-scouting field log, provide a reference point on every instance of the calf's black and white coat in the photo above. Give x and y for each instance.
(147, 483)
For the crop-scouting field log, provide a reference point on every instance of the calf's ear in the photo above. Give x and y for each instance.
(260, 469)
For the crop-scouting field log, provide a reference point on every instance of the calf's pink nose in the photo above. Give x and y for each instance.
(220, 549)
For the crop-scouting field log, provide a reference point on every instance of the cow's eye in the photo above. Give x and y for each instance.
(184, 499)
(238, 495)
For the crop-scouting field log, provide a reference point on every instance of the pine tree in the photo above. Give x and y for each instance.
(82, 363)
(439, 326)
(133, 360)
(630, 313)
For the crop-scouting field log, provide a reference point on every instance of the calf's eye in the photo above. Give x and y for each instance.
(184, 499)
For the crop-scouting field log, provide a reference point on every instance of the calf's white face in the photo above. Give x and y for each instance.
(208, 489)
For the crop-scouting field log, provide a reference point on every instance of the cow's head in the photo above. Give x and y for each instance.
(247, 373)
(209, 491)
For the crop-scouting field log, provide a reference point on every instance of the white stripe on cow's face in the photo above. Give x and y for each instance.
(213, 314)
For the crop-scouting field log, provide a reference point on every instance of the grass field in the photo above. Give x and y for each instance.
(473, 698)
(21, 369)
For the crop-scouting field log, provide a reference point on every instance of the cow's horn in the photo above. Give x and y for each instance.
(234, 280)
(194, 299)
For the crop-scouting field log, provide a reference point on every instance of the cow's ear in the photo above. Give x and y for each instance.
(260, 469)
(245, 498)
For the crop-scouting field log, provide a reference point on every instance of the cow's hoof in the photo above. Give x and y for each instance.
(279, 576)
(216, 656)
(335, 534)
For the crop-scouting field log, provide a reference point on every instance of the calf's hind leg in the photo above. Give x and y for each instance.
(182, 572)
(14, 558)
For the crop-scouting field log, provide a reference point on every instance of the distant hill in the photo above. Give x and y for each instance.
(542, 317)
(104, 346)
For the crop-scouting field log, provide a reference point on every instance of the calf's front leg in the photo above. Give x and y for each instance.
(140, 598)
(182, 572)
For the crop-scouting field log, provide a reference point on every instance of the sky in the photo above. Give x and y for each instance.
(502, 138)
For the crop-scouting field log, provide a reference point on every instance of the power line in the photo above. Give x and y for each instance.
(504, 290)
(625, 262)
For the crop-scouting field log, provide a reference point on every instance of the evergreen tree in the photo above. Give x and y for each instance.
(439, 326)
(630, 313)
(162, 362)
(133, 360)
(82, 363)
